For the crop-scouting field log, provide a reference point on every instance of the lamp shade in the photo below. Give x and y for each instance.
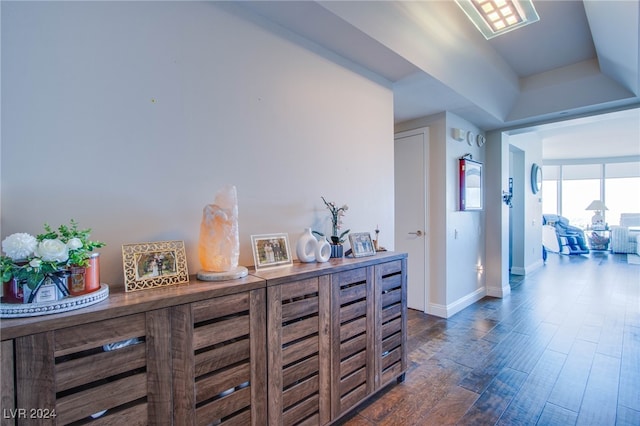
(597, 205)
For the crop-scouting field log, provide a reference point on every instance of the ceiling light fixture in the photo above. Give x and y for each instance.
(495, 17)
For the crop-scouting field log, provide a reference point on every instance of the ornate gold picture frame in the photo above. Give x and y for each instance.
(154, 264)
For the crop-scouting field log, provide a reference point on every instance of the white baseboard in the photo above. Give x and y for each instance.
(518, 270)
(499, 291)
(455, 307)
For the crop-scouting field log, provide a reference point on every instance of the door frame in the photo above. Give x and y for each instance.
(424, 131)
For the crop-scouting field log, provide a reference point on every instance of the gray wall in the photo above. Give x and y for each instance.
(129, 116)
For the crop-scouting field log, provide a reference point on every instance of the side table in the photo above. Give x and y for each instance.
(598, 239)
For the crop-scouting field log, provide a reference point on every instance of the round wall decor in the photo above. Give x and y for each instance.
(470, 138)
(536, 178)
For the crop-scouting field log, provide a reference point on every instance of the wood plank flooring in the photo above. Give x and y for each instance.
(562, 349)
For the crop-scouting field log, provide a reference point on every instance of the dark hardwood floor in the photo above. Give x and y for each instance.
(562, 349)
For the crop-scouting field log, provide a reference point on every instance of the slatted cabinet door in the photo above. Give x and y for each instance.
(7, 384)
(219, 361)
(353, 338)
(82, 371)
(299, 357)
(391, 321)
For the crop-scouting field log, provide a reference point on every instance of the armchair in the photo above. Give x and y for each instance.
(625, 238)
(570, 239)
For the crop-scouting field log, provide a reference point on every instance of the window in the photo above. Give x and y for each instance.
(580, 186)
(550, 181)
(549, 196)
(569, 188)
(622, 196)
(576, 196)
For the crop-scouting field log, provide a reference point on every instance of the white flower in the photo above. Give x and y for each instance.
(19, 246)
(52, 251)
(35, 263)
(74, 243)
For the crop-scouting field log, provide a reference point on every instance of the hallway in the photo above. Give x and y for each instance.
(562, 349)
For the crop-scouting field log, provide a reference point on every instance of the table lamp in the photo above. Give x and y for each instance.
(597, 221)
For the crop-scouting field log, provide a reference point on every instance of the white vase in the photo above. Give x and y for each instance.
(306, 246)
(323, 250)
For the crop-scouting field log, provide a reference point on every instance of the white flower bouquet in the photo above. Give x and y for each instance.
(30, 260)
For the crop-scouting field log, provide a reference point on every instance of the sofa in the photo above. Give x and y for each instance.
(625, 238)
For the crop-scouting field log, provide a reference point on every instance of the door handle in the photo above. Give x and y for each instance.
(418, 233)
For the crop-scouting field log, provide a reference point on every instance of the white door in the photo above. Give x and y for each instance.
(411, 199)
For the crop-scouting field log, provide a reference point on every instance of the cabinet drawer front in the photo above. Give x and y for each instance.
(220, 307)
(298, 315)
(219, 366)
(93, 335)
(118, 367)
(391, 291)
(353, 305)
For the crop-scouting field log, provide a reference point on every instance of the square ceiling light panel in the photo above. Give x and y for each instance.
(496, 17)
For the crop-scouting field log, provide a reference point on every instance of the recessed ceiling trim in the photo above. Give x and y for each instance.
(496, 17)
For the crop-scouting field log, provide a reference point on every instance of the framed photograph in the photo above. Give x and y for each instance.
(271, 250)
(151, 265)
(470, 185)
(361, 244)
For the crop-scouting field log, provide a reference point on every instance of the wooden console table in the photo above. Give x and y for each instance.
(304, 344)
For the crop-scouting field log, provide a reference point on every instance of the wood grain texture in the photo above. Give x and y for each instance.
(217, 358)
(324, 349)
(274, 354)
(83, 370)
(220, 306)
(390, 321)
(35, 382)
(121, 303)
(259, 372)
(7, 383)
(562, 349)
(353, 338)
(302, 271)
(159, 364)
(131, 416)
(81, 405)
(88, 336)
(183, 365)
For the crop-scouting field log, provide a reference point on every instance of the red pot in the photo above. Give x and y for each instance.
(85, 280)
(12, 292)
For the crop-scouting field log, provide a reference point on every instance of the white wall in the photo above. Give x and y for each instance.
(529, 205)
(497, 215)
(517, 211)
(129, 116)
(457, 237)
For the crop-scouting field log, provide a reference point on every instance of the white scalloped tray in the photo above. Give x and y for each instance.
(18, 310)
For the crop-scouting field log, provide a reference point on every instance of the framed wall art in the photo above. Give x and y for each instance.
(271, 250)
(470, 185)
(155, 264)
(361, 244)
